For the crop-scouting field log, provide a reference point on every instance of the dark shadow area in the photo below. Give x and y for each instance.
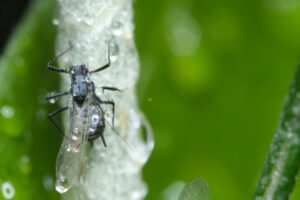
(10, 13)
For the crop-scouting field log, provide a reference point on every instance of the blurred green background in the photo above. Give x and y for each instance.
(214, 75)
(213, 81)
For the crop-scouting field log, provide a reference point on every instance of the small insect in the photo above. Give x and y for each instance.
(86, 122)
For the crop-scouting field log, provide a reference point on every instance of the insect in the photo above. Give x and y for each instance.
(86, 121)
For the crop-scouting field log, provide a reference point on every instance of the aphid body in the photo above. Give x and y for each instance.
(86, 122)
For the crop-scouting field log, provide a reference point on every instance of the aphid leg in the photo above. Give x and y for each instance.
(111, 88)
(106, 65)
(91, 143)
(51, 67)
(113, 110)
(54, 113)
(103, 139)
(51, 96)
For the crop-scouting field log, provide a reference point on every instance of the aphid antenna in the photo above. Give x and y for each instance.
(53, 68)
(116, 132)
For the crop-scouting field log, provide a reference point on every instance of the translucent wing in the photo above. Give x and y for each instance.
(70, 163)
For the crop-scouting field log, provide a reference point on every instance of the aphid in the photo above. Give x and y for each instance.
(86, 122)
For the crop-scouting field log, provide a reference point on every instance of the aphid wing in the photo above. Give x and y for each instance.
(70, 164)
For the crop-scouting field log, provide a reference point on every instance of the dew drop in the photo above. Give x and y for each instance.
(48, 182)
(7, 111)
(25, 159)
(114, 51)
(88, 19)
(73, 147)
(136, 195)
(62, 184)
(108, 115)
(136, 122)
(55, 21)
(8, 190)
(91, 130)
(40, 114)
(117, 28)
(102, 154)
(95, 118)
(52, 100)
(75, 134)
(69, 148)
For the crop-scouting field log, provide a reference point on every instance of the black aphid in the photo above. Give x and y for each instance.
(81, 85)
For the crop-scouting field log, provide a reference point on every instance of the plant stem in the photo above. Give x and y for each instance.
(91, 25)
(282, 163)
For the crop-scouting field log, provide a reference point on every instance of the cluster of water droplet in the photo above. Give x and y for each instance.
(91, 26)
(70, 164)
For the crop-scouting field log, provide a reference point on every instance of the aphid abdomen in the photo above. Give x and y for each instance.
(97, 124)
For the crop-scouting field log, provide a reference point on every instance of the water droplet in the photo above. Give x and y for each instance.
(62, 184)
(25, 159)
(114, 51)
(91, 130)
(136, 122)
(117, 28)
(95, 118)
(8, 190)
(102, 154)
(7, 111)
(55, 21)
(296, 110)
(48, 182)
(40, 114)
(75, 134)
(88, 19)
(52, 100)
(69, 147)
(73, 147)
(136, 194)
(107, 115)
(184, 34)
(148, 137)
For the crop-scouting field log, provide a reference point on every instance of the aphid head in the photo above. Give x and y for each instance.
(78, 70)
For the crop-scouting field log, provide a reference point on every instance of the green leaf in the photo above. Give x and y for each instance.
(195, 190)
(172, 191)
(281, 167)
(28, 142)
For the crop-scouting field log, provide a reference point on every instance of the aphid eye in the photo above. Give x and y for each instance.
(86, 70)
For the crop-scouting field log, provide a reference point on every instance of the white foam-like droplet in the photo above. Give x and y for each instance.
(117, 28)
(7, 111)
(55, 21)
(114, 51)
(91, 130)
(8, 191)
(75, 134)
(95, 118)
